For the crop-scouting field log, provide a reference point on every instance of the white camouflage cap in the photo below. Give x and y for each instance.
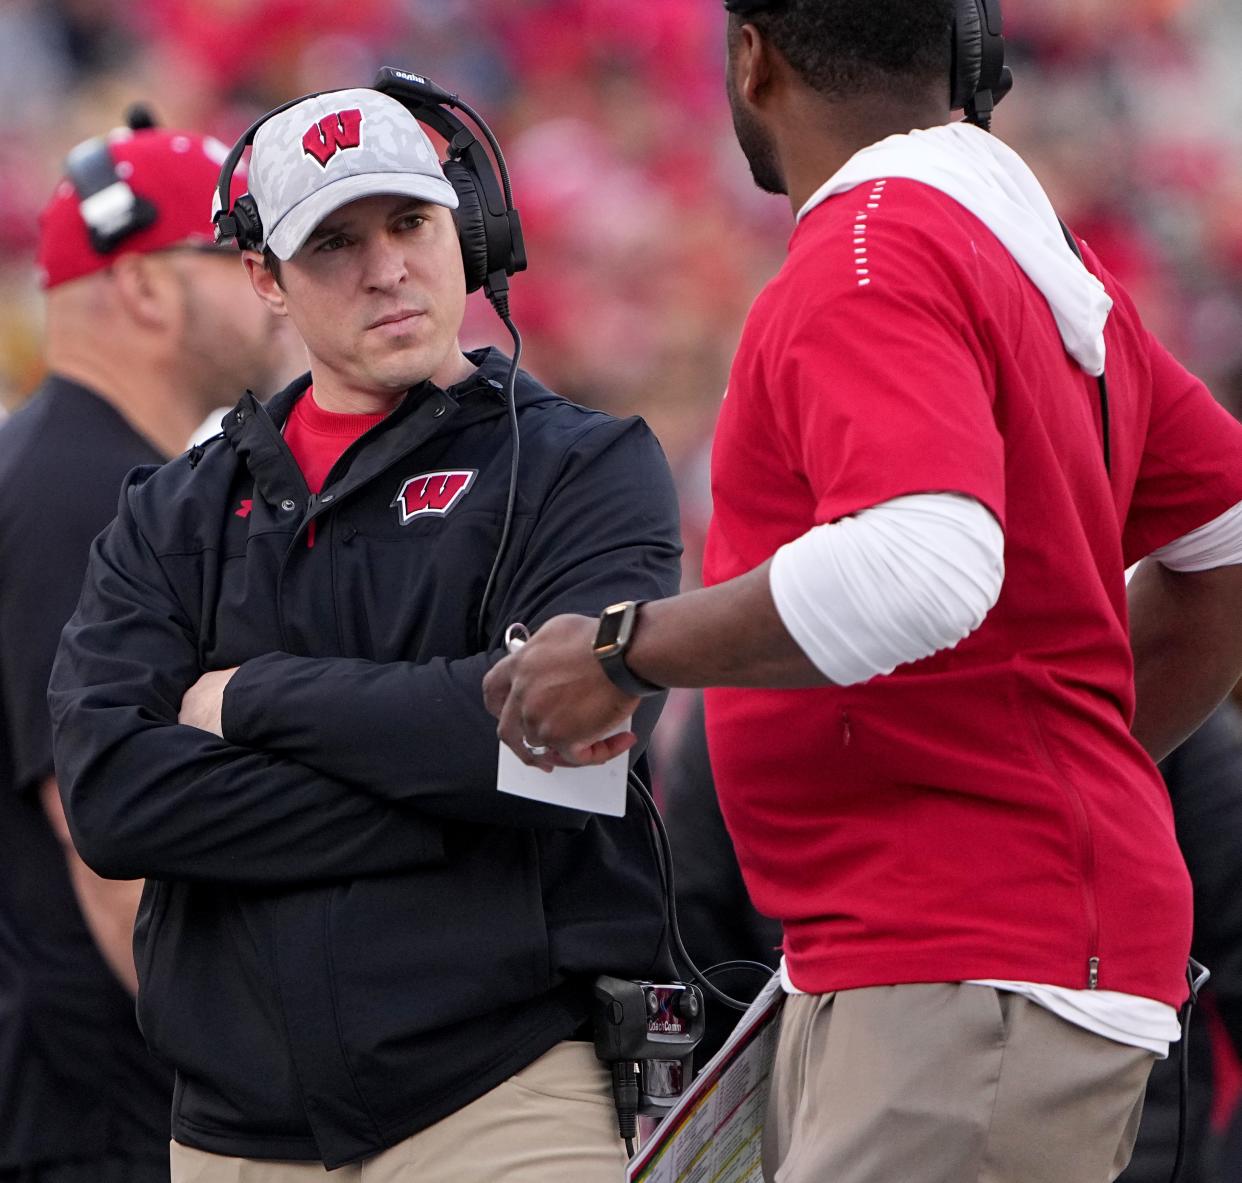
(333, 149)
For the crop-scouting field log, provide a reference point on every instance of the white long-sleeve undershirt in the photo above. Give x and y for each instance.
(1218, 544)
(915, 575)
(918, 574)
(893, 584)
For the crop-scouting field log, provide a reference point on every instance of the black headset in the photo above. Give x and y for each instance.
(980, 78)
(111, 210)
(488, 227)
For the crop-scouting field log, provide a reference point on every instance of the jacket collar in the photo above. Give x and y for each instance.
(253, 429)
(253, 432)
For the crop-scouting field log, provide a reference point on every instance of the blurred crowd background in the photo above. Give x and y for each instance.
(647, 240)
(646, 237)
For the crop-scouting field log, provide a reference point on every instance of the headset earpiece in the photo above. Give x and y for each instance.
(241, 225)
(238, 221)
(247, 225)
(488, 227)
(980, 78)
(471, 227)
(967, 53)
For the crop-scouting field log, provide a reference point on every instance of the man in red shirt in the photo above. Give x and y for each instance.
(937, 711)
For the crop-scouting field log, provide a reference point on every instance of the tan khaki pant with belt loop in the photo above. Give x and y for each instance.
(553, 1120)
(947, 1083)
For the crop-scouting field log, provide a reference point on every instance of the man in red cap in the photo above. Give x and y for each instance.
(148, 325)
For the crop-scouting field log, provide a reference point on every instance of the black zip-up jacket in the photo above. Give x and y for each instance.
(347, 932)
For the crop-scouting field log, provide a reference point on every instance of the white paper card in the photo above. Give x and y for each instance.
(600, 788)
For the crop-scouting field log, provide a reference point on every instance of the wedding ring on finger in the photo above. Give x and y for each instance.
(534, 749)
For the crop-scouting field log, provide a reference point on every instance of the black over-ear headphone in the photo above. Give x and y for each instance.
(980, 78)
(488, 227)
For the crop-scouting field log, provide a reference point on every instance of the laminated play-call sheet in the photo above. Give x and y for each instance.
(714, 1133)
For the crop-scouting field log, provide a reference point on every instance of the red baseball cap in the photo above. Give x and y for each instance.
(174, 171)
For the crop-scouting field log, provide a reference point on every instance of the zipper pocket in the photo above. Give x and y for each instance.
(1086, 848)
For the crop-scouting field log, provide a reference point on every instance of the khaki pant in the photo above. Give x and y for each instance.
(946, 1083)
(553, 1120)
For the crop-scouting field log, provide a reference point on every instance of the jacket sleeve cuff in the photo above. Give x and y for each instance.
(246, 702)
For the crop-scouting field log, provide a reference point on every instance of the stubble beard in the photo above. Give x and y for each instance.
(757, 147)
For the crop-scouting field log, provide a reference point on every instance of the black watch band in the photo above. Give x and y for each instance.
(612, 639)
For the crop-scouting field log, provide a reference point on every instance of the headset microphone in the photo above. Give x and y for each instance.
(487, 222)
(488, 230)
(414, 86)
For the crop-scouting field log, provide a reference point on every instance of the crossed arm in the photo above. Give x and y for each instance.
(316, 769)
(147, 796)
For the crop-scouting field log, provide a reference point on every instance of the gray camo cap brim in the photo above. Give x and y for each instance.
(330, 149)
(291, 232)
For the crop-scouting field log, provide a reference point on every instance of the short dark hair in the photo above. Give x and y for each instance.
(849, 48)
(272, 263)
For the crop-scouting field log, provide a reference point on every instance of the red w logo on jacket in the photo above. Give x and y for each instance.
(432, 493)
(333, 133)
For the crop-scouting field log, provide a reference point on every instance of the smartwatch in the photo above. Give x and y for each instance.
(612, 639)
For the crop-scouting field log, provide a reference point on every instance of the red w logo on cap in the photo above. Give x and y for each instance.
(333, 133)
(432, 493)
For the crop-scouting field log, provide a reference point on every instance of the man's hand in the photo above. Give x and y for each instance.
(109, 906)
(554, 693)
(204, 702)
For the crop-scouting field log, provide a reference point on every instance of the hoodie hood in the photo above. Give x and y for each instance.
(993, 182)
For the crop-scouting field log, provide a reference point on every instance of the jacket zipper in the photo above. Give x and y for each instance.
(315, 501)
(318, 500)
(1088, 864)
(1086, 855)
(312, 501)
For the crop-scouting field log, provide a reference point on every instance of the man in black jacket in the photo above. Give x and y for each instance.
(352, 948)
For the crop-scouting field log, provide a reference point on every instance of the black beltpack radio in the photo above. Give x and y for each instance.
(646, 1032)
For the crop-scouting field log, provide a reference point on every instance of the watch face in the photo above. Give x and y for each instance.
(611, 624)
